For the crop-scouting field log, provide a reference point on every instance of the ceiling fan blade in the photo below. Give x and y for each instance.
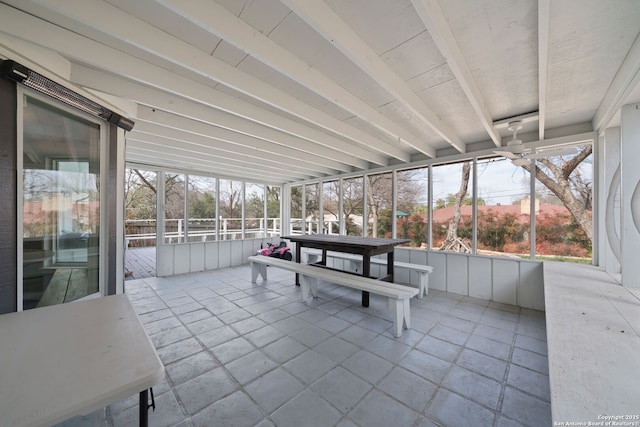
(507, 154)
(553, 152)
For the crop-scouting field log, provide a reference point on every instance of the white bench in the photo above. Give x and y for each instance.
(423, 271)
(398, 295)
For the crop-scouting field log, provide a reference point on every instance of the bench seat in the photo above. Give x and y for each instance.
(423, 271)
(398, 295)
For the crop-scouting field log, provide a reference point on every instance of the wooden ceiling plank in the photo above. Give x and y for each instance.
(219, 21)
(326, 22)
(206, 135)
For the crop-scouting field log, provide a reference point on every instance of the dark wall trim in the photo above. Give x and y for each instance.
(8, 195)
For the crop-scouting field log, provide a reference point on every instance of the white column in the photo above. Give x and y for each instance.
(630, 195)
(609, 201)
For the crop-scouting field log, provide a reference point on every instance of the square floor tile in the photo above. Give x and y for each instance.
(284, 349)
(234, 410)
(201, 391)
(441, 349)
(358, 335)
(451, 335)
(489, 347)
(170, 336)
(250, 367)
(531, 360)
(309, 366)
(378, 409)
(306, 409)
(529, 381)
(311, 335)
(274, 388)
(368, 366)
(341, 388)
(190, 367)
(425, 365)
(217, 336)
(528, 410)
(408, 388)
(179, 350)
(336, 349)
(390, 349)
(482, 364)
(232, 350)
(264, 336)
(452, 410)
(532, 344)
(473, 386)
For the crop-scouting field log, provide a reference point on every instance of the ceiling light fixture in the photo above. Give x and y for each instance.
(21, 74)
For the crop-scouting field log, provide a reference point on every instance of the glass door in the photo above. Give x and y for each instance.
(60, 182)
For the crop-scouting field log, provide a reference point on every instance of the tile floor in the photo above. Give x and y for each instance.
(238, 354)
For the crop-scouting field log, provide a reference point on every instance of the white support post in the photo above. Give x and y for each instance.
(630, 192)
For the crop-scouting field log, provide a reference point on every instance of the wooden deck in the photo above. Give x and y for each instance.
(140, 262)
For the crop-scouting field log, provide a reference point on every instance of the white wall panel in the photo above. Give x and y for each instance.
(182, 259)
(505, 281)
(224, 254)
(530, 294)
(197, 257)
(438, 279)
(236, 253)
(457, 274)
(480, 277)
(211, 255)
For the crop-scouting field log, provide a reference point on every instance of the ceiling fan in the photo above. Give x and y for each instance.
(520, 155)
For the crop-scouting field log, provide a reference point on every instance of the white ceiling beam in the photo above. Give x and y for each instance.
(217, 136)
(171, 92)
(544, 16)
(138, 35)
(199, 146)
(148, 157)
(219, 21)
(172, 149)
(327, 23)
(436, 22)
(625, 82)
(145, 95)
(83, 50)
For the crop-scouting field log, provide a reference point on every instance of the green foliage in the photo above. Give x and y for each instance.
(203, 207)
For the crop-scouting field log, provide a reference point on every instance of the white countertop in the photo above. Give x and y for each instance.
(593, 338)
(71, 359)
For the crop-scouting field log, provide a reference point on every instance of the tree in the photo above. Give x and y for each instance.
(410, 186)
(203, 207)
(566, 182)
(452, 242)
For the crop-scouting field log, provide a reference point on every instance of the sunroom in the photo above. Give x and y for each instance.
(495, 142)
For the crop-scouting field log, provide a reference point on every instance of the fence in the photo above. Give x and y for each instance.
(142, 232)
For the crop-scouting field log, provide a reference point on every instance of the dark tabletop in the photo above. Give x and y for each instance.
(346, 241)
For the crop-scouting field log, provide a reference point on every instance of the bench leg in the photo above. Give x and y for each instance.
(309, 287)
(406, 314)
(258, 269)
(401, 316)
(423, 282)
